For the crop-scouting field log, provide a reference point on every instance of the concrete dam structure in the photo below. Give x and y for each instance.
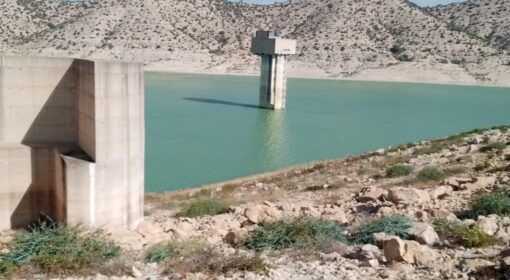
(273, 51)
(71, 142)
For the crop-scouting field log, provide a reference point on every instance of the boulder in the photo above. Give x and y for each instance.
(457, 182)
(440, 192)
(476, 264)
(424, 233)
(259, 214)
(336, 215)
(407, 195)
(370, 194)
(488, 224)
(412, 252)
(480, 183)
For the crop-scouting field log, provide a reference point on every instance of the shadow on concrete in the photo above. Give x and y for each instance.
(45, 197)
(221, 102)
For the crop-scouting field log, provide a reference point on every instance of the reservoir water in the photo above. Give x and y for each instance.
(205, 128)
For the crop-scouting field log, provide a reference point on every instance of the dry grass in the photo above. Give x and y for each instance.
(212, 263)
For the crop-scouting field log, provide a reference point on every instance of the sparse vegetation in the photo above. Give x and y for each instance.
(430, 174)
(210, 262)
(398, 171)
(457, 233)
(205, 206)
(58, 249)
(392, 225)
(493, 147)
(497, 202)
(302, 233)
(161, 252)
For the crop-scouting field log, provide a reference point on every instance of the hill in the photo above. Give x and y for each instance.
(336, 38)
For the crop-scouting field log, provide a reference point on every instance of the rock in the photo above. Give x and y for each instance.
(472, 148)
(488, 224)
(476, 264)
(231, 238)
(380, 237)
(335, 215)
(440, 192)
(407, 195)
(149, 230)
(370, 194)
(371, 263)
(135, 272)
(443, 214)
(396, 249)
(424, 233)
(457, 182)
(421, 215)
(259, 214)
(480, 183)
(384, 211)
(505, 263)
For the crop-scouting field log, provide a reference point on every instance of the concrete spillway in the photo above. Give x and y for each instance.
(273, 51)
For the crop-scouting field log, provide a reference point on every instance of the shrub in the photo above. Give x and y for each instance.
(302, 233)
(482, 166)
(474, 237)
(58, 249)
(161, 252)
(205, 206)
(392, 225)
(430, 174)
(495, 146)
(463, 235)
(497, 202)
(398, 171)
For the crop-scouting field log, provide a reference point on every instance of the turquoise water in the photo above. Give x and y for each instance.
(204, 128)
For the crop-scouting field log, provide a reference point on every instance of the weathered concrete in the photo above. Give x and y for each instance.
(71, 141)
(273, 51)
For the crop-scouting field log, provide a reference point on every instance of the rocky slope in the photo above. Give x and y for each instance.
(443, 177)
(485, 19)
(336, 38)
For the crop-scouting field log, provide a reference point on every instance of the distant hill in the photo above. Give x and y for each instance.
(486, 19)
(338, 38)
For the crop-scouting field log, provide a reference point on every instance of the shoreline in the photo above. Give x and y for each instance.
(304, 166)
(361, 78)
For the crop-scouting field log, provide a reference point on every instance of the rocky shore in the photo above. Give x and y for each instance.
(437, 189)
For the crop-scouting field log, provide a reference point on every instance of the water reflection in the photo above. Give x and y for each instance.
(271, 130)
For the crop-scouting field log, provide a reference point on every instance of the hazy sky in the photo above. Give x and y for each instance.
(419, 2)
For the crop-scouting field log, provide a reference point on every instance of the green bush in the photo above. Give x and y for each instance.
(482, 166)
(474, 237)
(496, 146)
(398, 171)
(58, 249)
(497, 202)
(430, 174)
(302, 233)
(205, 206)
(161, 252)
(463, 235)
(392, 225)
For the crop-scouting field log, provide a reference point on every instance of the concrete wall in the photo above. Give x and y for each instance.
(71, 141)
(273, 82)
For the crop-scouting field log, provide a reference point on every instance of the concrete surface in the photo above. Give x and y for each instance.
(71, 141)
(273, 51)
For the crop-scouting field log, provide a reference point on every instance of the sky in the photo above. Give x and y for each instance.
(419, 2)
